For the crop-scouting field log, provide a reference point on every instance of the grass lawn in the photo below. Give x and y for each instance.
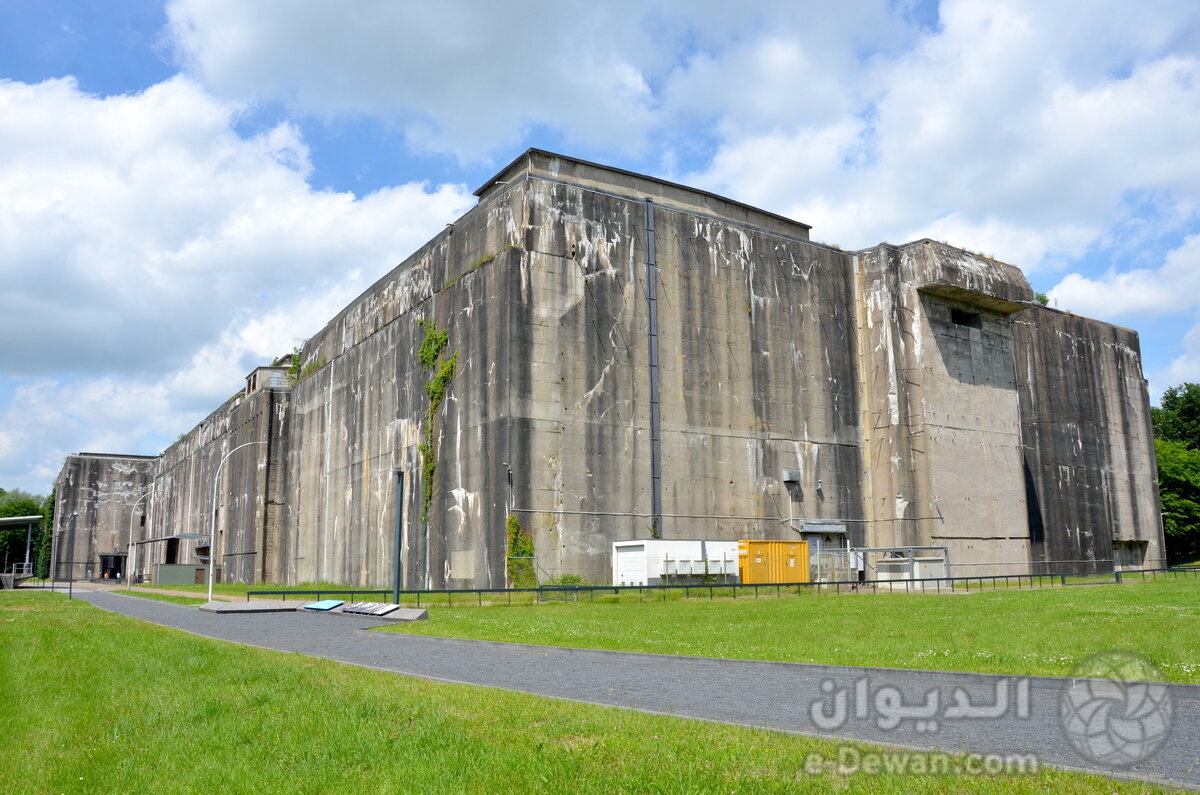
(240, 588)
(164, 597)
(1046, 631)
(95, 701)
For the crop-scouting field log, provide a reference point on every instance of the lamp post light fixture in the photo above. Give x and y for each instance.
(397, 563)
(212, 541)
(508, 497)
(131, 568)
(71, 563)
(54, 531)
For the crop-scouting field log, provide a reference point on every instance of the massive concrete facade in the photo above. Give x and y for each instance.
(635, 358)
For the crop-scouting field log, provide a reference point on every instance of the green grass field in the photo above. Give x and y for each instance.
(97, 702)
(1046, 631)
(165, 597)
(240, 589)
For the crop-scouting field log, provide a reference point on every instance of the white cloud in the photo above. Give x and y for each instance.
(470, 78)
(152, 256)
(45, 420)
(146, 224)
(216, 369)
(1173, 287)
(851, 119)
(460, 77)
(1021, 129)
(1185, 366)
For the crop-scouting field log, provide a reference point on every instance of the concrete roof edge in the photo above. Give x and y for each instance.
(924, 240)
(625, 172)
(114, 455)
(1077, 316)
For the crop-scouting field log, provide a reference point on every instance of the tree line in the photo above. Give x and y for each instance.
(16, 502)
(1177, 444)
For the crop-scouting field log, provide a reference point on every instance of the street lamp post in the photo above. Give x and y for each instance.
(131, 568)
(397, 563)
(212, 542)
(71, 563)
(53, 555)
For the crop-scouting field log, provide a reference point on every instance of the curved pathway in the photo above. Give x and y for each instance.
(954, 712)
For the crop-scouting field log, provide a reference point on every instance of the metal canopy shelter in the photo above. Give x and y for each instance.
(29, 521)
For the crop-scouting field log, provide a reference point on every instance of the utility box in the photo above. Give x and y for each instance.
(773, 561)
(182, 574)
(911, 568)
(667, 561)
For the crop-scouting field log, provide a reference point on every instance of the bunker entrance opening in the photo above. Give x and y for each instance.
(112, 567)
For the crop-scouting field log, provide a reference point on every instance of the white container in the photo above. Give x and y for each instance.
(662, 561)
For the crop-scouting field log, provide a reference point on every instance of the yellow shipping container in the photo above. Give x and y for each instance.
(772, 561)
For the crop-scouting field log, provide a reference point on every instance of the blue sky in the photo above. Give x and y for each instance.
(190, 188)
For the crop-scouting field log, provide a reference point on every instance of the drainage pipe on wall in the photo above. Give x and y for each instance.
(652, 359)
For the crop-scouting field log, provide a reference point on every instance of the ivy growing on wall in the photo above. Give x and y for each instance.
(443, 370)
(297, 374)
(520, 556)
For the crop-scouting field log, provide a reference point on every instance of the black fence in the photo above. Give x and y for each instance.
(577, 593)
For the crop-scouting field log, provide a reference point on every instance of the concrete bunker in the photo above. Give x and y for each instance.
(639, 360)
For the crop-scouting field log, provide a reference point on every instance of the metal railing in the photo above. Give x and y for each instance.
(548, 593)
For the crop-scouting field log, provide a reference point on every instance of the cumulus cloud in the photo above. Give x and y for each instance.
(150, 247)
(459, 77)
(1138, 295)
(1016, 128)
(856, 120)
(137, 225)
(152, 256)
(471, 78)
(1173, 287)
(1186, 366)
(47, 419)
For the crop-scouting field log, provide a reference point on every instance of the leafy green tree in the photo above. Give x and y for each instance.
(1179, 490)
(1177, 444)
(1177, 418)
(521, 573)
(45, 537)
(12, 538)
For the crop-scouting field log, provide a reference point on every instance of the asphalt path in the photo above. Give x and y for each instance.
(991, 716)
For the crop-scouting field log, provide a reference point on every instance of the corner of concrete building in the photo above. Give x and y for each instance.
(1089, 465)
(942, 431)
(96, 498)
(634, 358)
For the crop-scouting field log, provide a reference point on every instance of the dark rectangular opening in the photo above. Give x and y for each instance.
(112, 567)
(963, 317)
(172, 551)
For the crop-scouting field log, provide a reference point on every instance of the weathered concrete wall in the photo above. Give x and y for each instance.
(542, 290)
(942, 431)
(250, 494)
(758, 377)
(1089, 466)
(360, 418)
(96, 494)
(96, 498)
(913, 395)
